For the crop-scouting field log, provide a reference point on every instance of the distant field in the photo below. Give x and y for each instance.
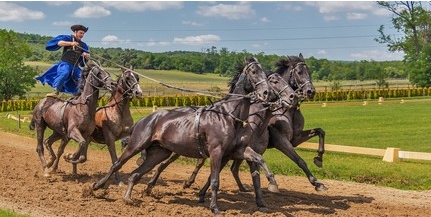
(151, 79)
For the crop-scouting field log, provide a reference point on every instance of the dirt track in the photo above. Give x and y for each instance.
(25, 190)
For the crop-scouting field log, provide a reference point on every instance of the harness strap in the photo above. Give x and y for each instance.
(199, 141)
(62, 112)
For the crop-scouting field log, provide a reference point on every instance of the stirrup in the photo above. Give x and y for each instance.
(54, 94)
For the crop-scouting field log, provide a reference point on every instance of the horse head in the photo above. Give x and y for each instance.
(98, 78)
(295, 71)
(286, 96)
(128, 83)
(256, 78)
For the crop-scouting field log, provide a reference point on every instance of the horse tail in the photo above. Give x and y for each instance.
(32, 124)
(125, 140)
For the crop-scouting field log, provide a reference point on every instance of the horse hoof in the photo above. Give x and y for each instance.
(273, 188)
(128, 201)
(263, 209)
(321, 187)
(318, 162)
(139, 161)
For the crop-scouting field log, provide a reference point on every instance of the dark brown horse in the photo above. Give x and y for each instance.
(217, 131)
(114, 120)
(73, 119)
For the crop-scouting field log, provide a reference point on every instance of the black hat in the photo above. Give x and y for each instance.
(78, 27)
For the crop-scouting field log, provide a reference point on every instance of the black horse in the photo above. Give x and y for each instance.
(259, 117)
(285, 128)
(70, 119)
(217, 131)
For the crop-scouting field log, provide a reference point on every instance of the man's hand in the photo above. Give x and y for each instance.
(86, 55)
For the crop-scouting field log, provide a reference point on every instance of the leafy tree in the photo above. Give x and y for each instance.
(16, 78)
(414, 21)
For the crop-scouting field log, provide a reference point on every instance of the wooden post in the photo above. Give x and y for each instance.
(391, 155)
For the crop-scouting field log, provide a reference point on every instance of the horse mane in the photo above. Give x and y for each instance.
(84, 73)
(284, 64)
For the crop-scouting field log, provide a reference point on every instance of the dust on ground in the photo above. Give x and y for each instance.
(25, 190)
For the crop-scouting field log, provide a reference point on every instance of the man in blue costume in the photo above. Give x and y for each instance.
(64, 75)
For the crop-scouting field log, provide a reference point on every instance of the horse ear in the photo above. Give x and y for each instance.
(131, 67)
(300, 56)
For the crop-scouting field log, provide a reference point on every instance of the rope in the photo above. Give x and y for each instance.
(199, 92)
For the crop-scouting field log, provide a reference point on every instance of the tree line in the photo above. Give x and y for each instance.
(222, 61)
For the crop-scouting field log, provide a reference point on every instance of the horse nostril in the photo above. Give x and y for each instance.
(291, 96)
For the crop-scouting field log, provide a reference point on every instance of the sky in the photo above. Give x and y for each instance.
(333, 30)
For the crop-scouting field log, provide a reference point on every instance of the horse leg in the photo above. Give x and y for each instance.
(254, 170)
(110, 142)
(216, 160)
(286, 148)
(155, 155)
(48, 145)
(60, 152)
(235, 173)
(129, 152)
(200, 162)
(250, 155)
(162, 166)
(303, 136)
(40, 129)
(204, 189)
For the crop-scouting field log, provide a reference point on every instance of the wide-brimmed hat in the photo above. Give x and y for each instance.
(78, 27)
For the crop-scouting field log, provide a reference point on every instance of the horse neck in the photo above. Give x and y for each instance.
(240, 108)
(89, 98)
(259, 116)
(121, 102)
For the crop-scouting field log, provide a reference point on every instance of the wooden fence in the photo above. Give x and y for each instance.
(389, 154)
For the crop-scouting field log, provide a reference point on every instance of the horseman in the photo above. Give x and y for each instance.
(64, 75)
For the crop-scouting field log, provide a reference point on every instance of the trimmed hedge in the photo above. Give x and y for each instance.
(198, 100)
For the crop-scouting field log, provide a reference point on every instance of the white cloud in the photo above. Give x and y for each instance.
(265, 20)
(192, 23)
(58, 3)
(321, 52)
(356, 16)
(152, 43)
(330, 17)
(289, 7)
(377, 55)
(139, 6)
(351, 10)
(327, 7)
(238, 11)
(112, 39)
(13, 12)
(197, 40)
(94, 11)
(62, 23)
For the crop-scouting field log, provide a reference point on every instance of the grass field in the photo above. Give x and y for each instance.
(151, 79)
(390, 124)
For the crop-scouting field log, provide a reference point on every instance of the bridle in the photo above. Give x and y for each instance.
(246, 71)
(129, 87)
(280, 102)
(292, 71)
(101, 80)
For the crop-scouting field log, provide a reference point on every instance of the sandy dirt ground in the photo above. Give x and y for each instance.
(25, 190)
